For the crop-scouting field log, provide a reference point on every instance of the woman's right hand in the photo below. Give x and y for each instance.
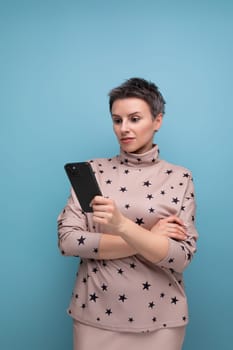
(172, 227)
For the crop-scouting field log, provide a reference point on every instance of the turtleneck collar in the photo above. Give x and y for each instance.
(140, 160)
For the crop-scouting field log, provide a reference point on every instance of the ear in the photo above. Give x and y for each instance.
(158, 121)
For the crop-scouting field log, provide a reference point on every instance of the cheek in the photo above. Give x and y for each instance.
(147, 131)
(115, 130)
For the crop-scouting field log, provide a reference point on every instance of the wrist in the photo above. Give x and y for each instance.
(123, 227)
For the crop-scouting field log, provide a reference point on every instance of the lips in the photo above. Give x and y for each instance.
(127, 139)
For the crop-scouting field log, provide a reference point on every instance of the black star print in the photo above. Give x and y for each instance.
(147, 183)
(130, 319)
(108, 312)
(139, 221)
(151, 210)
(120, 271)
(186, 175)
(171, 260)
(104, 287)
(95, 270)
(104, 263)
(81, 240)
(132, 265)
(126, 171)
(108, 182)
(93, 297)
(127, 206)
(84, 280)
(146, 285)
(122, 298)
(123, 189)
(95, 250)
(149, 196)
(162, 192)
(83, 306)
(151, 305)
(183, 208)
(175, 200)
(168, 172)
(174, 300)
(162, 295)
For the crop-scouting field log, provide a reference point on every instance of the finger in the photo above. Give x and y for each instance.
(102, 214)
(99, 199)
(177, 228)
(103, 208)
(177, 236)
(100, 220)
(175, 219)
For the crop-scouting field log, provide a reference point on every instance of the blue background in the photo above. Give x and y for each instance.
(58, 60)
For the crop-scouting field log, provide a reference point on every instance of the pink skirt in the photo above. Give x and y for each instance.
(87, 337)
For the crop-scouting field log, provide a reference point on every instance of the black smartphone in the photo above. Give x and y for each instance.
(84, 183)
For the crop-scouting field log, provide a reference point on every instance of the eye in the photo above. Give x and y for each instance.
(135, 119)
(116, 120)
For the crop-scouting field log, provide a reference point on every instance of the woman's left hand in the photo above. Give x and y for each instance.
(105, 212)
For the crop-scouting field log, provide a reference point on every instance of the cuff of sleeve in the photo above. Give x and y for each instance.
(175, 259)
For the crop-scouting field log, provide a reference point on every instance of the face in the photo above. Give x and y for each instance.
(134, 124)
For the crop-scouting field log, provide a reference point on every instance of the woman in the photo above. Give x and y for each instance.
(129, 291)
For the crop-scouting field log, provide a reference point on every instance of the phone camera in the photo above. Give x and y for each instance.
(74, 169)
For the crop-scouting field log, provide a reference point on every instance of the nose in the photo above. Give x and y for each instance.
(124, 126)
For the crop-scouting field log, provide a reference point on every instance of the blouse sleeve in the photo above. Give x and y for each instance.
(74, 236)
(180, 253)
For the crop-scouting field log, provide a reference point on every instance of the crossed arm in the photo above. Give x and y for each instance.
(127, 238)
(172, 239)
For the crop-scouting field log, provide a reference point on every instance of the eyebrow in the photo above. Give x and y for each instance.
(129, 115)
